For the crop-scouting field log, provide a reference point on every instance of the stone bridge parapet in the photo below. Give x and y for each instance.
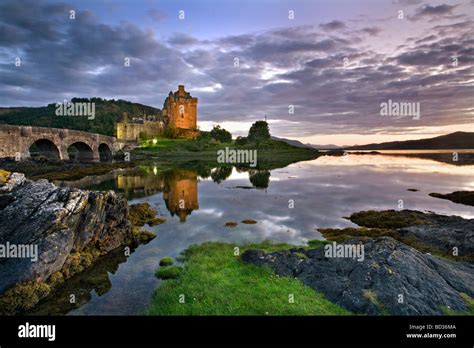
(16, 141)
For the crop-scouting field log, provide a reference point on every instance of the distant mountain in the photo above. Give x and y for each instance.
(107, 112)
(457, 140)
(325, 147)
(292, 142)
(300, 144)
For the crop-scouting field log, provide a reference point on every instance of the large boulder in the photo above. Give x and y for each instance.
(393, 278)
(69, 227)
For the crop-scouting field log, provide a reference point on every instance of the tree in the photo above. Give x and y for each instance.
(241, 141)
(259, 131)
(220, 134)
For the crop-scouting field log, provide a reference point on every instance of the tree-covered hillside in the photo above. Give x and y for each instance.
(107, 112)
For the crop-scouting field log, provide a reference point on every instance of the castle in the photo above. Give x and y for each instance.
(179, 112)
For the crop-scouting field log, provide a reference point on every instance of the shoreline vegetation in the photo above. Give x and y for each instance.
(259, 279)
(167, 152)
(215, 281)
(271, 154)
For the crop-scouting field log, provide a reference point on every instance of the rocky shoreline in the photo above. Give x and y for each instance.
(394, 277)
(68, 229)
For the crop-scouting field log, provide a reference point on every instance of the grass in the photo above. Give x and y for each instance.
(216, 282)
(166, 261)
(316, 243)
(169, 272)
(270, 153)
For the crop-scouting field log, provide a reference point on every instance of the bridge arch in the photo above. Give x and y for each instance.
(81, 152)
(44, 147)
(15, 142)
(105, 152)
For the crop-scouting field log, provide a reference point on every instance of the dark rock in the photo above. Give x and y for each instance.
(437, 232)
(445, 233)
(460, 197)
(70, 228)
(5, 200)
(373, 286)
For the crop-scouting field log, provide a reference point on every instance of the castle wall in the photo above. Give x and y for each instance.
(132, 131)
(179, 111)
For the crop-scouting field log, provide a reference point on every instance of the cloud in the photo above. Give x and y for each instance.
(334, 77)
(407, 2)
(371, 30)
(434, 12)
(333, 25)
(181, 39)
(426, 39)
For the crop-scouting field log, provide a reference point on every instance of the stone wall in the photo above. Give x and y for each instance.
(15, 141)
(132, 131)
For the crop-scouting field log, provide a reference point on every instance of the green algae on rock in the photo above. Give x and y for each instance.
(248, 221)
(142, 213)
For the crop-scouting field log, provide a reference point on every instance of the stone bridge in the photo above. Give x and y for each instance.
(22, 142)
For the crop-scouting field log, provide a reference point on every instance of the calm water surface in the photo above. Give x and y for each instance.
(321, 193)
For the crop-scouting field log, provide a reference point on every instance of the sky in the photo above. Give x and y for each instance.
(318, 70)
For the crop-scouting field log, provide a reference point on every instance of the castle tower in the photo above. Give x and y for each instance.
(180, 109)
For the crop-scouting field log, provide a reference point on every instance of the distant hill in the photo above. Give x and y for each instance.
(292, 142)
(311, 146)
(107, 112)
(326, 147)
(457, 140)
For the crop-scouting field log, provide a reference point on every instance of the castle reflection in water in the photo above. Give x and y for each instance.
(178, 186)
